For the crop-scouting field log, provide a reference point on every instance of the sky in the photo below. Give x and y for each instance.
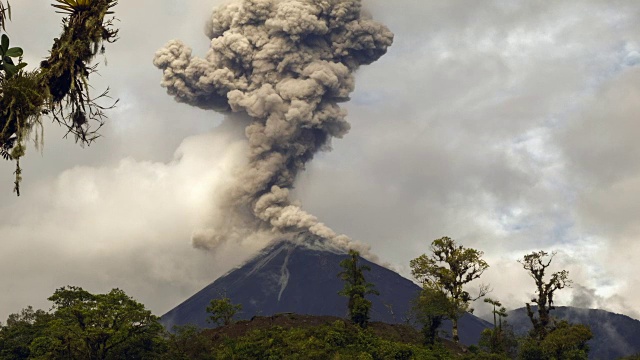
(509, 126)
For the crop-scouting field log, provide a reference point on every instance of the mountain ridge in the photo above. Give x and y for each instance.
(614, 335)
(302, 277)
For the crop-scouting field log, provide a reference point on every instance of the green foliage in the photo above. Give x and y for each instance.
(20, 331)
(449, 268)
(498, 312)
(6, 54)
(500, 341)
(73, 6)
(20, 111)
(356, 288)
(478, 355)
(536, 264)
(550, 339)
(188, 343)
(66, 71)
(222, 311)
(430, 308)
(335, 341)
(564, 341)
(60, 86)
(567, 341)
(82, 325)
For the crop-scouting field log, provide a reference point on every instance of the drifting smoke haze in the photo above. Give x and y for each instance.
(287, 64)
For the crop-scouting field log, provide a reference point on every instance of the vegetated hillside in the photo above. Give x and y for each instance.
(322, 337)
(614, 335)
(393, 332)
(302, 279)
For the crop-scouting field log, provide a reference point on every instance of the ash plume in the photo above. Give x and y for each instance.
(287, 64)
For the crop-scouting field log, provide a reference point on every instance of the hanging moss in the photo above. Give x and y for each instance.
(20, 105)
(60, 87)
(67, 69)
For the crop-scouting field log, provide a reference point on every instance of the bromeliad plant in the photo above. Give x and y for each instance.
(74, 6)
(60, 86)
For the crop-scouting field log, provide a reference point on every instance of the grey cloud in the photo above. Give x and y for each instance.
(507, 125)
(587, 298)
(479, 159)
(121, 226)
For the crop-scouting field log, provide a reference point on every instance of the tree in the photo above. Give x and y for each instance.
(550, 339)
(222, 311)
(495, 334)
(536, 264)
(60, 86)
(189, 343)
(498, 310)
(567, 341)
(356, 288)
(20, 331)
(82, 325)
(430, 308)
(450, 267)
(501, 339)
(563, 341)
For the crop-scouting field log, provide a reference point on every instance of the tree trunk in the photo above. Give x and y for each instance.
(454, 331)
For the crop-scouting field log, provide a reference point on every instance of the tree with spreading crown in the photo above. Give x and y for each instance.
(450, 267)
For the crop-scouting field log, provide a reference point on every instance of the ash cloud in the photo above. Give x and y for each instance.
(287, 64)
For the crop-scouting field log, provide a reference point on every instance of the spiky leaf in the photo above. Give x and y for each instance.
(72, 6)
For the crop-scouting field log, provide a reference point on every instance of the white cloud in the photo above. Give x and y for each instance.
(127, 225)
(508, 125)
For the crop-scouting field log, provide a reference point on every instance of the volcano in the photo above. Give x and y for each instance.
(292, 277)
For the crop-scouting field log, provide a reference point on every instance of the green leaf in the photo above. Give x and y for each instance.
(14, 52)
(10, 69)
(5, 42)
(63, 7)
(8, 60)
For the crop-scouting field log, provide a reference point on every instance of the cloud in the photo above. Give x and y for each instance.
(126, 226)
(467, 136)
(506, 125)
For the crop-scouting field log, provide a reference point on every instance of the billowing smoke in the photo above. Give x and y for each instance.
(287, 64)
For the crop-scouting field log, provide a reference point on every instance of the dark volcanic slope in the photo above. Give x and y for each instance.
(614, 335)
(287, 277)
